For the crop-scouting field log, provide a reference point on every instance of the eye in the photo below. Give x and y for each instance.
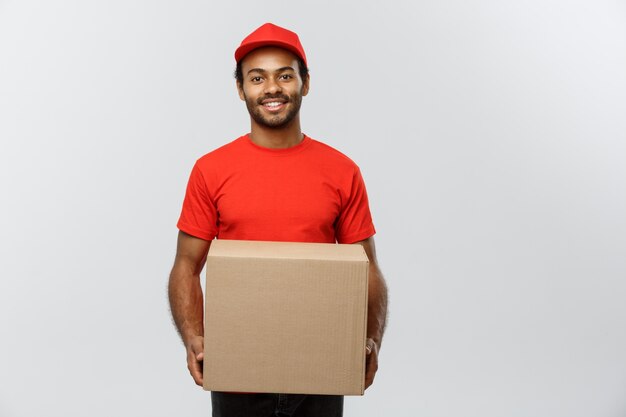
(286, 76)
(255, 79)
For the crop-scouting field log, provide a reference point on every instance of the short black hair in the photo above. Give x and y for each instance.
(302, 69)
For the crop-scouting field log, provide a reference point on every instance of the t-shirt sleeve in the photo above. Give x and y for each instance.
(199, 214)
(355, 220)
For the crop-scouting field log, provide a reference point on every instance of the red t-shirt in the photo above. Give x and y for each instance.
(307, 193)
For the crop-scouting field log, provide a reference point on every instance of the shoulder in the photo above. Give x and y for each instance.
(333, 156)
(222, 155)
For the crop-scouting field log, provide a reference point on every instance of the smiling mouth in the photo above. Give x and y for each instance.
(273, 105)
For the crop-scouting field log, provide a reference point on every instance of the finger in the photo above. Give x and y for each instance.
(195, 367)
(196, 372)
(371, 366)
(368, 378)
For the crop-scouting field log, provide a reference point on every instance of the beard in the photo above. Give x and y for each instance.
(274, 121)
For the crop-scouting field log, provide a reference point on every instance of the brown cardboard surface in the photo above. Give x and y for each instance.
(285, 317)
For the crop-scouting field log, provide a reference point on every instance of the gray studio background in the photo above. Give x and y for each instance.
(492, 138)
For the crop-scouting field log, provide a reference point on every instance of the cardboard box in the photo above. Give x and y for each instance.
(285, 317)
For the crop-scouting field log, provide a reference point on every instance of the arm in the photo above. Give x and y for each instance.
(376, 311)
(186, 301)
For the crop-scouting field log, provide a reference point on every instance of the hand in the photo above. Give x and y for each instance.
(195, 356)
(371, 361)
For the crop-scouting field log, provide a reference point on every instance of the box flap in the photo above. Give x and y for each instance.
(287, 250)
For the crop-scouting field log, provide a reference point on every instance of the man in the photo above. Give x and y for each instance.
(273, 184)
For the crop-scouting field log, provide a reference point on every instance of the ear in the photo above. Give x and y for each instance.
(305, 85)
(240, 90)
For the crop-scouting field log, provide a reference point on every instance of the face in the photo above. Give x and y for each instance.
(272, 87)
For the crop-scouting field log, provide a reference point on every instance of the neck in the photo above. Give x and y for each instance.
(277, 138)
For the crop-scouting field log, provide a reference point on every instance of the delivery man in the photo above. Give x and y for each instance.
(273, 184)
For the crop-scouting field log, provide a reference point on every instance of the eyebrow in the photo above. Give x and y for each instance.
(262, 71)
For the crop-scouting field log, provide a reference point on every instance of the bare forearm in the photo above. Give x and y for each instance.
(186, 303)
(376, 304)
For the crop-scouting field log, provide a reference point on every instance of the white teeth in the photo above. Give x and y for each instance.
(273, 104)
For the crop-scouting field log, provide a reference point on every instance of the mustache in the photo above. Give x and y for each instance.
(279, 96)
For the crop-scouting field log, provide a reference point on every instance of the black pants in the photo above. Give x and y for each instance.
(276, 405)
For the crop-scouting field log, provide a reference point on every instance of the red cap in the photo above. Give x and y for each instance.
(271, 35)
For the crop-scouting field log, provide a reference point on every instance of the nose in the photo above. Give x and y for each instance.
(272, 87)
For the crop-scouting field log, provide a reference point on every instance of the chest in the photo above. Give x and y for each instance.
(285, 193)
